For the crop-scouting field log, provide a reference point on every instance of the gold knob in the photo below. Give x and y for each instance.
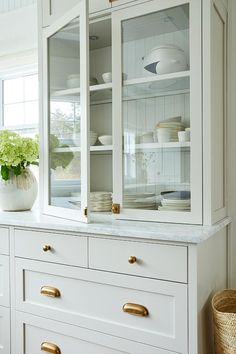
(132, 259)
(50, 348)
(46, 248)
(135, 309)
(115, 208)
(50, 291)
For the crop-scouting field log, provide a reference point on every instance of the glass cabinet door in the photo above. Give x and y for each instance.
(66, 116)
(157, 107)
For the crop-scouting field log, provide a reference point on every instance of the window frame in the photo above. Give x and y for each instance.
(14, 74)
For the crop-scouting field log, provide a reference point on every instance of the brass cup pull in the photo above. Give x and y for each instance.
(46, 248)
(50, 348)
(132, 259)
(50, 291)
(136, 309)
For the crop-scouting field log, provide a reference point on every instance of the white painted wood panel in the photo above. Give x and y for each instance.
(218, 110)
(53, 9)
(4, 240)
(101, 5)
(31, 331)
(65, 249)
(95, 299)
(121, 2)
(4, 281)
(4, 330)
(214, 111)
(11, 5)
(154, 261)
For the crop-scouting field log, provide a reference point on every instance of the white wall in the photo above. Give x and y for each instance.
(232, 139)
(10, 5)
(18, 39)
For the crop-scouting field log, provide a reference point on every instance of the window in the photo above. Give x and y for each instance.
(20, 104)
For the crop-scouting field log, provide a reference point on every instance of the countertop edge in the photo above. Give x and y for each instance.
(184, 233)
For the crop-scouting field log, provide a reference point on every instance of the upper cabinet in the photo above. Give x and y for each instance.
(157, 111)
(53, 9)
(134, 111)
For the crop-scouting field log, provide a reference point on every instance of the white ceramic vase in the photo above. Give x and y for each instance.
(19, 192)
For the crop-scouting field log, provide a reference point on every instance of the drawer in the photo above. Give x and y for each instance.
(32, 331)
(95, 300)
(4, 330)
(4, 244)
(64, 249)
(4, 281)
(147, 259)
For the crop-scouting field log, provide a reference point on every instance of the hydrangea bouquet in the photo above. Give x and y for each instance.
(16, 153)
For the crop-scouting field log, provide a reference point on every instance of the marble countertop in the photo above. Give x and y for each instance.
(106, 225)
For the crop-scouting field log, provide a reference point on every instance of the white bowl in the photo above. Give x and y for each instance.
(93, 81)
(107, 77)
(93, 138)
(105, 139)
(146, 138)
(165, 59)
(163, 135)
(73, 81)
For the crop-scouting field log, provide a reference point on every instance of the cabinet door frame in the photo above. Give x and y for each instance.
(81, 11)
(195, 215)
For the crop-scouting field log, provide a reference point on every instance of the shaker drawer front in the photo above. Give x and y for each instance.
(159, 261)
(106, 302)
(4, 281)
(4, 240)
(57, 248)
(4, 330)
(36, 335)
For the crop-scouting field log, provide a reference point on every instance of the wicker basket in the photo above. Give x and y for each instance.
(224, 318)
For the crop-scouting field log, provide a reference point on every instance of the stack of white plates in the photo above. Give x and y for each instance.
(101, 201)
(176, 201)
(139, 201)
(173, 125)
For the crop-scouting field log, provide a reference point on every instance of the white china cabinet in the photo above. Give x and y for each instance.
(134, 109)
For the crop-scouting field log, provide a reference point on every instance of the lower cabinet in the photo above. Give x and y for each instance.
(150, 311)
(143, 298)
(4, 281)
(37, 335)
(4, 330)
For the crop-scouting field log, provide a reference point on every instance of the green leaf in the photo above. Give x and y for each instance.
(17, 170)
(5, 172)
(34, 163)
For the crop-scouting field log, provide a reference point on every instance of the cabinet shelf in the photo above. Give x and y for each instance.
(98, 149)
(146, 146)
(157, 78)
(76, 90)
(144, 87)
(169, 145)
(156, 86)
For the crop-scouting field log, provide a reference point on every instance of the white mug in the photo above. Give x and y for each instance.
(184, 136)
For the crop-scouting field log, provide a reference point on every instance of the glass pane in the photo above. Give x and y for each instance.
(64, 125)
(14, 114)
(31, 87)
(13, 90)
(31, 112)
(156, 112)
